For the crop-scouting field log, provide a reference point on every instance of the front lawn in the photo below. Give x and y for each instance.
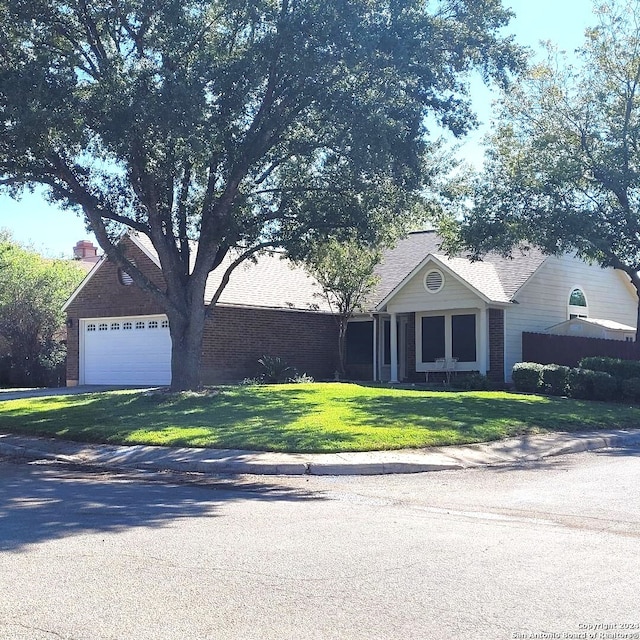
(323, 417)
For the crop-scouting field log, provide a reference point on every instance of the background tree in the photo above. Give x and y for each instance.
(32, 292)
(563, 165)
(242, 124)
(345, 271)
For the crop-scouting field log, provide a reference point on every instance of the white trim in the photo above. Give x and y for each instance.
(576, 309)
(394, 348)
(483, 330)
(446, 270)
(481, 342)
(504, 346)
(84, 282)
(426, 277)
(375, 347)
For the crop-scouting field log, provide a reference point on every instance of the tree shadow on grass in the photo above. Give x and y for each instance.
(466, 418)
(234, 418)
(43, 502)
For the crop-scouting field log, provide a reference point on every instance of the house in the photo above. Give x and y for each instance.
(429, 314)
(118, 334)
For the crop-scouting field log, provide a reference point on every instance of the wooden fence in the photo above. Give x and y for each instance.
(569, 350)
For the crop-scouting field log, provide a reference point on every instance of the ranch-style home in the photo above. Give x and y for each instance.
(429, 315)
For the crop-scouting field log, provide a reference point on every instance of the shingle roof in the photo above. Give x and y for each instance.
(271, 281)
(496, 277)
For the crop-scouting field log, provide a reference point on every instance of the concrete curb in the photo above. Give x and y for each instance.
(237, 462)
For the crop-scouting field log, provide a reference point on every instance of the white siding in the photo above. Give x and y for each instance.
(414, 297)
(543, 301)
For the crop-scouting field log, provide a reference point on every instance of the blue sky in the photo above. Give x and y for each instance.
(54, 232)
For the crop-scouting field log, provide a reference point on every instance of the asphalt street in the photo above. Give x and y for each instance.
(549, 549)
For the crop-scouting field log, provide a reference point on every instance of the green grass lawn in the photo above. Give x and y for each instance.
(323, 417)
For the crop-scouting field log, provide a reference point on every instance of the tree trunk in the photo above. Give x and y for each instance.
(187, 331)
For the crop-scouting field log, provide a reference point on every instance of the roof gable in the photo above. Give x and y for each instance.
(495, 278)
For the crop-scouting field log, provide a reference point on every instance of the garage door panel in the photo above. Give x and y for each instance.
(127, 351)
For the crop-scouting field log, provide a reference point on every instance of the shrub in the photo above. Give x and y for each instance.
(301, 378)
(621, 369)
(527, 376)
(580, 383)
(275, 369)
(472, 382)
(605, 386)
(631, 389)
(555, 379)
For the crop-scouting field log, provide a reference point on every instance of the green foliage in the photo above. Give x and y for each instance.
(325, 417)
(620, 369)
(32, 292)
(563, 163)
(275, 369)
(238, 124)
(586, 384)
(345, 271)
(631, 389)
(474, 381)
(555, 379)
(527, 376)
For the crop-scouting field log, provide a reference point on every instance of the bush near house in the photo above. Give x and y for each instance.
(580, 383)
(527, 376)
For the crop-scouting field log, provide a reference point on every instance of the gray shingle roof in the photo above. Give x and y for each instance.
(496, 277)
(274, 282)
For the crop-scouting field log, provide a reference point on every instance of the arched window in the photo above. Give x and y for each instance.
(578, 307)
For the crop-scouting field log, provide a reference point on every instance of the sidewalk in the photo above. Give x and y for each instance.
(216, 461)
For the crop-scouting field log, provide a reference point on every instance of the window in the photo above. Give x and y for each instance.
(360, 343)
(127, 325)
(123, 277)
(386, 342)
(433, 281)
(103, 326)
(448, 336)
(433, 338)
(91, 327)
(153, 324)
(140, 324)
(463, 337)
(165, 324)
(578, 307)
(115, 326)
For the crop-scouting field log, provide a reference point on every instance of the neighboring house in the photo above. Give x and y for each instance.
(429, 313)
(593, 328)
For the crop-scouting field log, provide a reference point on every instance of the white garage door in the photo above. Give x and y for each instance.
(125, 351)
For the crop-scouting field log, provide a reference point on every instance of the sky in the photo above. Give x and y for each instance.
(54, 232)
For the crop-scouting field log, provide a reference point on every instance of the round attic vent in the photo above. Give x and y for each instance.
(433, 281)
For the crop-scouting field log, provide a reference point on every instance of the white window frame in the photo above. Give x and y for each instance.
(574, 310)
(436, 366)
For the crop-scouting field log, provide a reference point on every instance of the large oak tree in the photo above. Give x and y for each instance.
(563, 163)
(241, 124)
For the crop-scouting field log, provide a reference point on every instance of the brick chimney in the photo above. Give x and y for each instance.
(85, 251)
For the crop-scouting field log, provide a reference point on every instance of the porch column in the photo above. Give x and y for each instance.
(394, 348)
(375, 348)
(484, 342)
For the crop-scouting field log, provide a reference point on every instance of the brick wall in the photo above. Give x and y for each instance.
(496, 345)
(234, 337)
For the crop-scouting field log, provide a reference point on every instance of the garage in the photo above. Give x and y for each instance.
(132, 350)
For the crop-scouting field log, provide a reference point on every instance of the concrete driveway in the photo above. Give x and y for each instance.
(15, 394)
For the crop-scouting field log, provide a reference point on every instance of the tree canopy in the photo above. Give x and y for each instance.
(563, 162)
(32, 292)
(241, 124)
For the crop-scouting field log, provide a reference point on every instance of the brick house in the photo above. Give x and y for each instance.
(429, 313)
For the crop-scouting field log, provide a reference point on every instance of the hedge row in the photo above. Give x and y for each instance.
(581, 383)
